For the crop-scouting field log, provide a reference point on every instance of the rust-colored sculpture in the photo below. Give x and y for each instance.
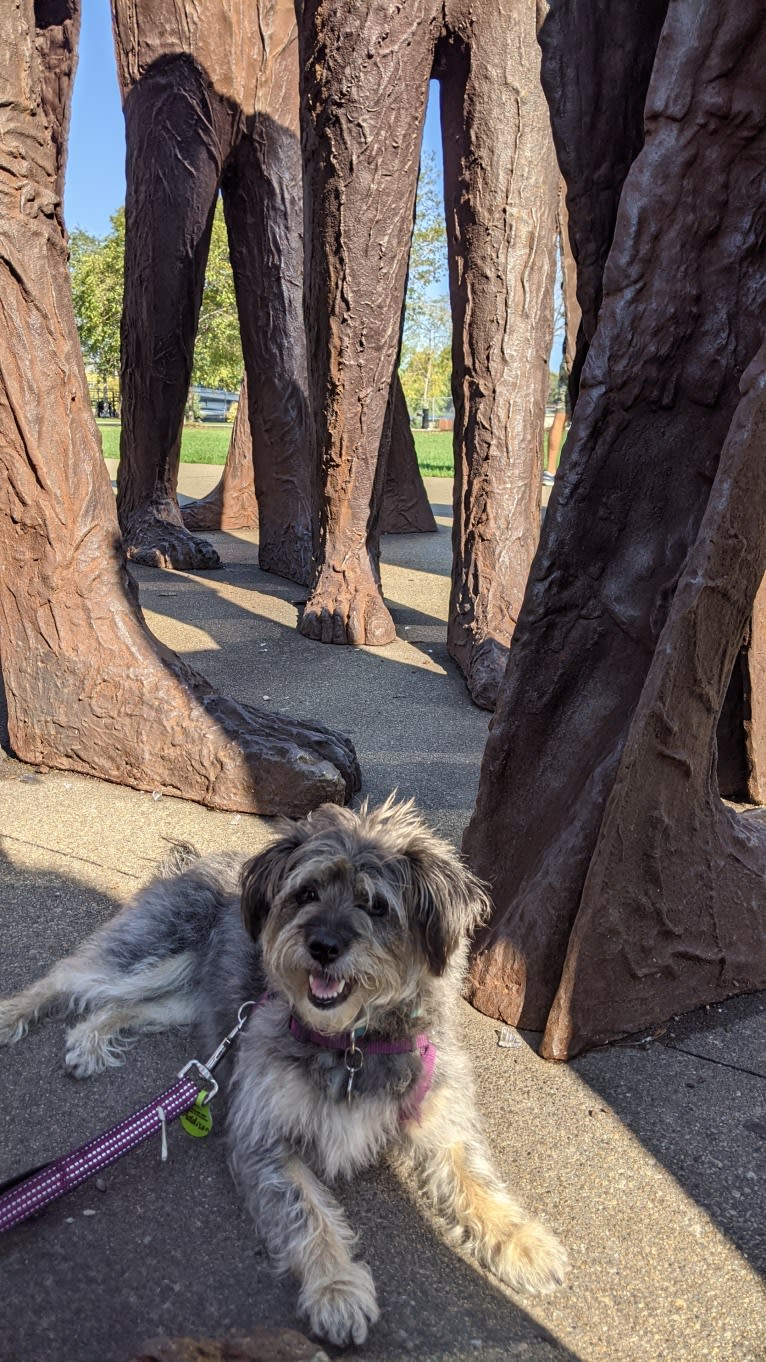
(617, 45)
(598, 819)
(405, 508)
(365, 74)
(232, 504)
(673, 912)
(597, 60)
(88, 687)
(210, 99)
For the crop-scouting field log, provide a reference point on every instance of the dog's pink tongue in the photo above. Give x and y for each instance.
(322, 986)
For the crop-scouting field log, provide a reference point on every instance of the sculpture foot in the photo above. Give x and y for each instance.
(303, 763)
(483, 663)
(342, 610)
(138, 715)
(221, 510)
(161, 542)
(288, 554)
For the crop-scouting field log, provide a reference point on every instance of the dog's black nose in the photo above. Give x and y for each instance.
(325, 944)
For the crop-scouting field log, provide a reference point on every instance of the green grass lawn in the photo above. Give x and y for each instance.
(208, 444)
(199, 444)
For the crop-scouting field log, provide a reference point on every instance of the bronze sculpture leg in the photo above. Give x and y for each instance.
(671, 916)
(262, 202)
(168, 219)
(365, 77)
(681, 317)
(232, 504)
(501, 187)
(88, 687)
(596, 46)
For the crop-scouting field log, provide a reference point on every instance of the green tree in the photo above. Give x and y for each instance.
(425, 364)
(97, 266)
(428, 251)
(218, 361)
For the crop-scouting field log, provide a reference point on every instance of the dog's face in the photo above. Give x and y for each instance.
(352, 911)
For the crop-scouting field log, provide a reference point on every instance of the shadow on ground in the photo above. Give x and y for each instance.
(166, 1249)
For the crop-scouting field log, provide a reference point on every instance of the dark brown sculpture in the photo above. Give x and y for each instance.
(210, 100)
(232, 504)
(365, 76)
(682, 315)
(597, 60)
(88, 687)
(405, 508)
(673, 912)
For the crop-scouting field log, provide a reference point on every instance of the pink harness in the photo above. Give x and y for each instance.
(356, 1048)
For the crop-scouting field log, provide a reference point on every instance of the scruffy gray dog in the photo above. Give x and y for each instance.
(353, 929)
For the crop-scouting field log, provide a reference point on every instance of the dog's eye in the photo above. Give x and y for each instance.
(307, 894)
(376, 907)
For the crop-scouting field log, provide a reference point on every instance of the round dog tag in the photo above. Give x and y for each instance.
(198, 1120)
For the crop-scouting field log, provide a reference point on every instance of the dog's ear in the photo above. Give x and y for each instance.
(446, 900)
(262, 876)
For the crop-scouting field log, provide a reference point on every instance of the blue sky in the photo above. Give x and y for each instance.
(95, 177)
(95, 180)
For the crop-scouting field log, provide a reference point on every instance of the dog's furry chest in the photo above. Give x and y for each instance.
(299, 1093)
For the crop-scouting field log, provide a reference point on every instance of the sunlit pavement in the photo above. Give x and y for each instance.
(647, 1158)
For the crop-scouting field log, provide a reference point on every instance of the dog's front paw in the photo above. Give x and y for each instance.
(342, 1308)
(530, 1259)
(13, 1027)
(90, 1051)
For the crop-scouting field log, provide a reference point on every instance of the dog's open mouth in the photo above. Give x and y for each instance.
(326, 992)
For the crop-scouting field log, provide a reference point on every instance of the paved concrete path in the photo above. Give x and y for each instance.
(647, 1159)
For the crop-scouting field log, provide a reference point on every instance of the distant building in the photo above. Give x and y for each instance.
(212, 404)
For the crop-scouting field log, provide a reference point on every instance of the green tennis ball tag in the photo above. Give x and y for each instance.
(198, 1120)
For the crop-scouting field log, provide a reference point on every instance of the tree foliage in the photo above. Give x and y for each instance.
(426, 365)
(97, 267)
(218, 361)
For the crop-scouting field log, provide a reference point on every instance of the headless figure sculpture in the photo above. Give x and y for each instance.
(88, 687)
(364, 85)
(211, 104)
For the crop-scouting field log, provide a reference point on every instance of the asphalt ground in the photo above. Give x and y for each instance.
(646, 1158)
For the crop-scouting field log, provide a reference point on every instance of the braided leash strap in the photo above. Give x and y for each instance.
(32, 1193)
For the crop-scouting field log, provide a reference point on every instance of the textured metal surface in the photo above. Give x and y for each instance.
(681, 318)
(361, 149)
(88, 687)
(211, 103)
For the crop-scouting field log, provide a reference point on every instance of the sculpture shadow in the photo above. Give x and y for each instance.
(692, 1094)
(383, 697)
(166, 1248)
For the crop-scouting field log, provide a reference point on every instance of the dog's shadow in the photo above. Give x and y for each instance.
(157, 1248)
(434, 1303)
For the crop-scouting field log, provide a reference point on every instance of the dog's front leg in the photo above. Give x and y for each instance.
(457, 1175)
(306, 1232)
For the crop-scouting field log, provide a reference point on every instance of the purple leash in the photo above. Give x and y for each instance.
(33, 1191)
(30, 1193)
(64, 1174)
